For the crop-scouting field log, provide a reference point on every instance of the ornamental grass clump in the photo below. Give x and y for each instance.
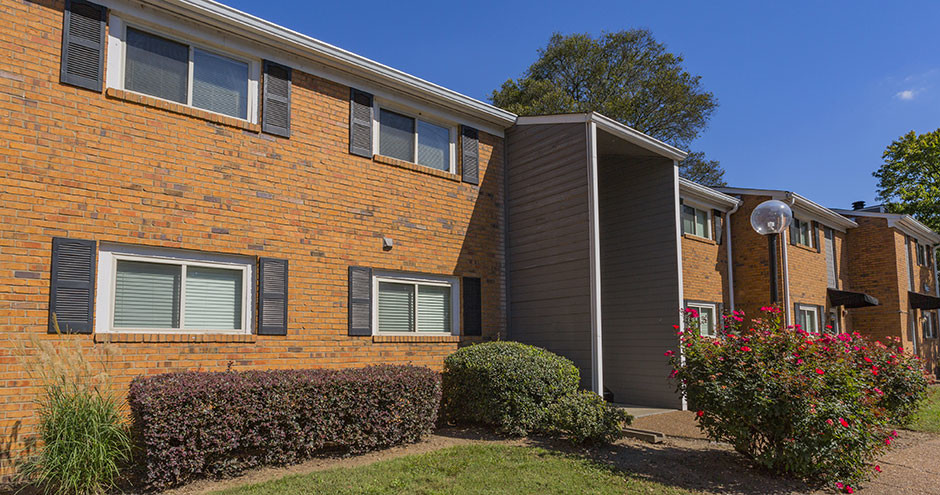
(820, 407)
(83, 439)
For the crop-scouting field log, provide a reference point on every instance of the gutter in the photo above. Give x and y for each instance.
(730, 263)
(786, 267)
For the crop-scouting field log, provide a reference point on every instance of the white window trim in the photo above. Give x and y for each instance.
(377, 107)
(109, 255)
(813, 309)
(929, 319)
(697, 306)
(417, 279)
(117, 35)
(810, 237)
(708, 222)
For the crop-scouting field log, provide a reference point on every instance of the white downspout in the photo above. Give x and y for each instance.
(786, 270)
(730, 262)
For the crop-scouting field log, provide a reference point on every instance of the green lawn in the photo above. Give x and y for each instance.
(928, 419)
(468, 469)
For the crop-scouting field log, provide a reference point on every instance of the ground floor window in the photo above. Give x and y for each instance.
(410, 303)
(807, 317)
(707, 318)
(156, 290)
(929, 324)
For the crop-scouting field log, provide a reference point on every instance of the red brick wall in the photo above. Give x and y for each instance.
(80, 164)
(704, 270)
(751, 261)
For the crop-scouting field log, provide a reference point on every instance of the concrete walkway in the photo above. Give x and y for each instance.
(642, 411)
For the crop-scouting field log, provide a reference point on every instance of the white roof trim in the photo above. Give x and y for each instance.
(612, 126)
(905, 223)
(696, 191)
(251, 27)
(828, 217)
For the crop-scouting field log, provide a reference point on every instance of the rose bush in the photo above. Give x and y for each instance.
(817, 406)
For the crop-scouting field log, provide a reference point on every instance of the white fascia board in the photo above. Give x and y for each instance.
(610, 125)
(801, 206)
(704, 194)
(282, 39)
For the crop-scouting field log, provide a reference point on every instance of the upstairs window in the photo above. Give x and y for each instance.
(182, 73)
(696, 222)
(415, 140)
(802, 233)
(921, 254)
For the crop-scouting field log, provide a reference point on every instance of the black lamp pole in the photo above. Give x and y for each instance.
(772, 243)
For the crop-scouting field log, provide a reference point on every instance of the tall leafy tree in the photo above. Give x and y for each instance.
(909, 178)
(625, 75)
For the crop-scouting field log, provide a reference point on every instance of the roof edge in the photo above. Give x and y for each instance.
(698, 191)
(798, 201)
(903, 222)
(610, 125)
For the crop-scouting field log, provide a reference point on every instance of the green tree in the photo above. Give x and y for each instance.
(909, 179)
(699, 169)
(625, 75)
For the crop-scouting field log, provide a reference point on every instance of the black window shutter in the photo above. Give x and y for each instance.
(360, 123)
(816, 237)
(272, 296)
(360, 301)
(719, 226)
(83, 44)
(72, 285)
(275, 107)
(472, 307)
(470, 154)
(794, 231)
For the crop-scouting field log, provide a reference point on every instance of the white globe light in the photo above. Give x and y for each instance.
(771, 217)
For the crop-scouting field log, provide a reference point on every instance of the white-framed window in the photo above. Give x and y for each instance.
(408, 304)
(154, 290)
(921, 253)
(929, 324)
(802, 232)
(696, 221)
(152, 62)
(411, 137)
(807, 317)
(707, 318)
(834, 321)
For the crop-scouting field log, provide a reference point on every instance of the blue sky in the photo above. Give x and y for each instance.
(810, 93)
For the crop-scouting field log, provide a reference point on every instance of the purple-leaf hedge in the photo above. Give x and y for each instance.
(196, 424)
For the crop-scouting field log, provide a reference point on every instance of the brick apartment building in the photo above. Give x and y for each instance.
(203, 188)
(893, 258)
(814, 283)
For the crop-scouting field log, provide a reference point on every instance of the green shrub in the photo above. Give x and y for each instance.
(505, 384)
(584, 417)
(816, 406)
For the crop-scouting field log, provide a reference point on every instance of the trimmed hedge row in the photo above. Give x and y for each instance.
(195, 424)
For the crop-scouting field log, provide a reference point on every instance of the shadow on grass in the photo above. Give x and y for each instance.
(685, 464)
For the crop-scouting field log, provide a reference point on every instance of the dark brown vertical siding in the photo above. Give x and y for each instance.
(549, 259)
(639, 277)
